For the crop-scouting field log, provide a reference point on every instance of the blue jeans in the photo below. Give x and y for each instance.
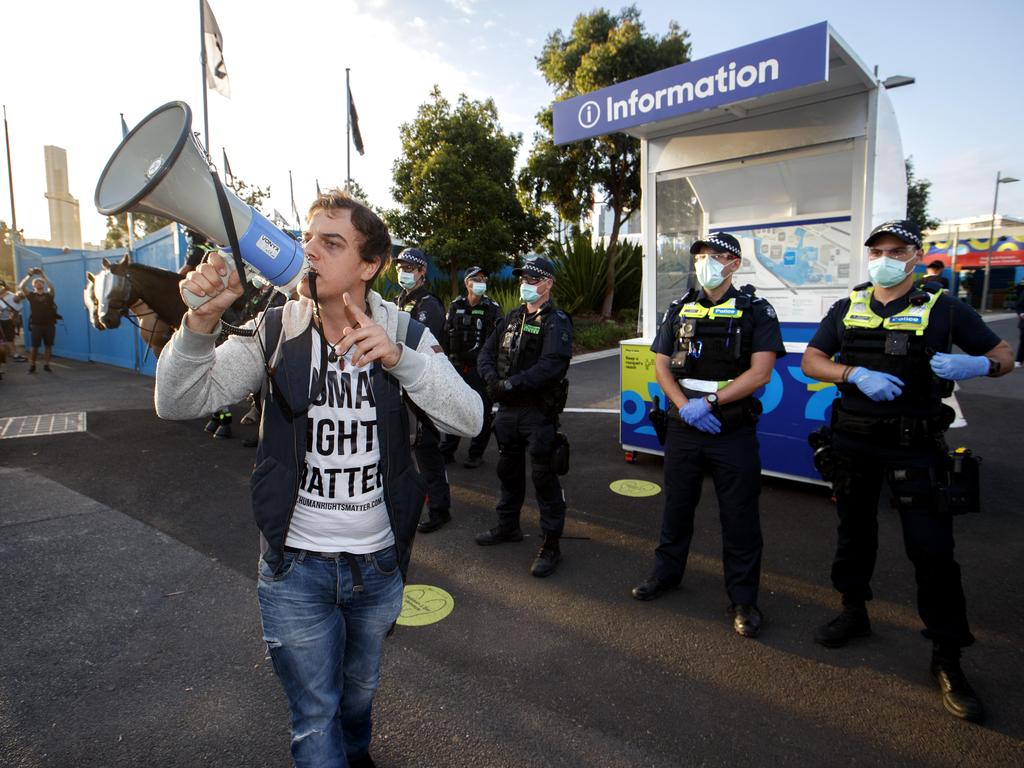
(325, 640)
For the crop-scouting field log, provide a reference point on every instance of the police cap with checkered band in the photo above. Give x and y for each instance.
(904, 229)
(538, 266)
(719, 242)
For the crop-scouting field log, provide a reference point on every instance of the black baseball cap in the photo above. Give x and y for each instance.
(537, 266)
(721, 242)
(476, 272)
(413, 256)
(904, 229)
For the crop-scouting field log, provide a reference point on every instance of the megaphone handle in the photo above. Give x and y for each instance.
(193, 301)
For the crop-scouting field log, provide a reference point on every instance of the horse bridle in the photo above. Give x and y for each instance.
(119, 296)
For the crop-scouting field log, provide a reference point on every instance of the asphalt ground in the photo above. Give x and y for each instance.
(130, 629)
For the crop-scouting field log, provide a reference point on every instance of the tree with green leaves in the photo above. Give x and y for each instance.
(918, 193)
(6, 252)
(601, 50)
(455, 185)
(147, 223)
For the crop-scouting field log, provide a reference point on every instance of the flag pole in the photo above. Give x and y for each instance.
(348, 132)
(295, 210)
(10, 179)
(202, 57)
(129, 219)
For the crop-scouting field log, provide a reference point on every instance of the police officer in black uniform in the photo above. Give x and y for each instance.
(715, 347)
(524, 363)
(415, 299)
(471, 318)
(893, 367)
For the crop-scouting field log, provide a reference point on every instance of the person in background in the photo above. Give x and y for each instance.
(933, 275)
(10, 320)
(716, 346)
(412, 264)
(879, 347)
(471, 319)
(43, 315)
(524, 363)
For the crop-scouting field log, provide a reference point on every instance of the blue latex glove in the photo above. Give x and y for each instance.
(959, 367)
(876, 384)
(697, 413)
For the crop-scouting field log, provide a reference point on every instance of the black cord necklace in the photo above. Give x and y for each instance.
(332, 354)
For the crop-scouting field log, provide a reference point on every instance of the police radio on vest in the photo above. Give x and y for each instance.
(160, 169)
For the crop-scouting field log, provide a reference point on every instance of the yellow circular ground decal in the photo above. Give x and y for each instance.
(635, 488)
(423, 604)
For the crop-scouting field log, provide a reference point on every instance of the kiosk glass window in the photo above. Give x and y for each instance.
(679, 218)
(791, 215)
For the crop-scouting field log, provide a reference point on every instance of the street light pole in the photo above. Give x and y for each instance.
(1000, 179)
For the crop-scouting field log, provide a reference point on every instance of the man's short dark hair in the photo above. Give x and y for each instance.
(937, 264)
(376, 238)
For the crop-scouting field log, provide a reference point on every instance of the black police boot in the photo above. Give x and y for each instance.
(852, 622)
(653, 587)
(958, 697)
(434, 521)
(747, 620)
(473, 462)
(548, 558)
(223, 432)
(499, 535)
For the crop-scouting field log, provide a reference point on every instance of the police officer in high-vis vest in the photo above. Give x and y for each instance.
(524, 363)
(888, 348)
(471, 318)
(415, 299)
(715, 347)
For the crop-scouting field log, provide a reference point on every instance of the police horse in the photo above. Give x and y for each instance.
(150, 298)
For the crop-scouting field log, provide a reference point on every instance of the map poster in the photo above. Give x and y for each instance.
(802, 268)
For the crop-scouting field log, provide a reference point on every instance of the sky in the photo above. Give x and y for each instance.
(68, 68)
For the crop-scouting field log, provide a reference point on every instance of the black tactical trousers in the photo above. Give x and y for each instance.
(430, 462)
(518, 428)
(477, 446)
(927, 533)
(735, 466)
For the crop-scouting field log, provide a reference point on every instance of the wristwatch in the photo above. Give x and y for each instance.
(994, 367)
(712, 400)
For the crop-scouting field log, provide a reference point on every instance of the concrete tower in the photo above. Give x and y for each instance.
(65, 226)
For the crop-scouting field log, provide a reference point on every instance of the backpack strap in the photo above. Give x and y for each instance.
(410, 330)
(272, 323)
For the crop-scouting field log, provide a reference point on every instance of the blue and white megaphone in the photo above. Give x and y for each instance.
(160, 169)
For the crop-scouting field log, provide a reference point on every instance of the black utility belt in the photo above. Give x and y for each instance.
(901, 429)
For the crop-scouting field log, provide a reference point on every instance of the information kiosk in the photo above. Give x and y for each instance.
(791, 144)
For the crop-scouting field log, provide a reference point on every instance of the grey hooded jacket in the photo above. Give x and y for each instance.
(194, 377)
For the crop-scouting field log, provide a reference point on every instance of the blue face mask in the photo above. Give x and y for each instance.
(887, 272)
(406, 279)
(709, 273)
(479, 289)
(528, 293)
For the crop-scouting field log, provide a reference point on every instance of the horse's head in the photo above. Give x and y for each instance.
(113, 293)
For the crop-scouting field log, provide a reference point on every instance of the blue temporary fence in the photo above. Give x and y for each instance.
(76, 337)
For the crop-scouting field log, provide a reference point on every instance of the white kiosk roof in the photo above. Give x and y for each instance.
(804, 66)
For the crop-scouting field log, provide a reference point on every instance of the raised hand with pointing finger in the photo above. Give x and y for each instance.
(367, 338)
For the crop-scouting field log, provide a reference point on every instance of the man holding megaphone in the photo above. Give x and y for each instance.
(335, 493)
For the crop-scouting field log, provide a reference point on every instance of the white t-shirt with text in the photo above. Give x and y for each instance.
(340, 506)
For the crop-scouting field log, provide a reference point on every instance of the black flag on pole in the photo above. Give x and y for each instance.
(357, 137)
(229, 177)
(216, 69)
